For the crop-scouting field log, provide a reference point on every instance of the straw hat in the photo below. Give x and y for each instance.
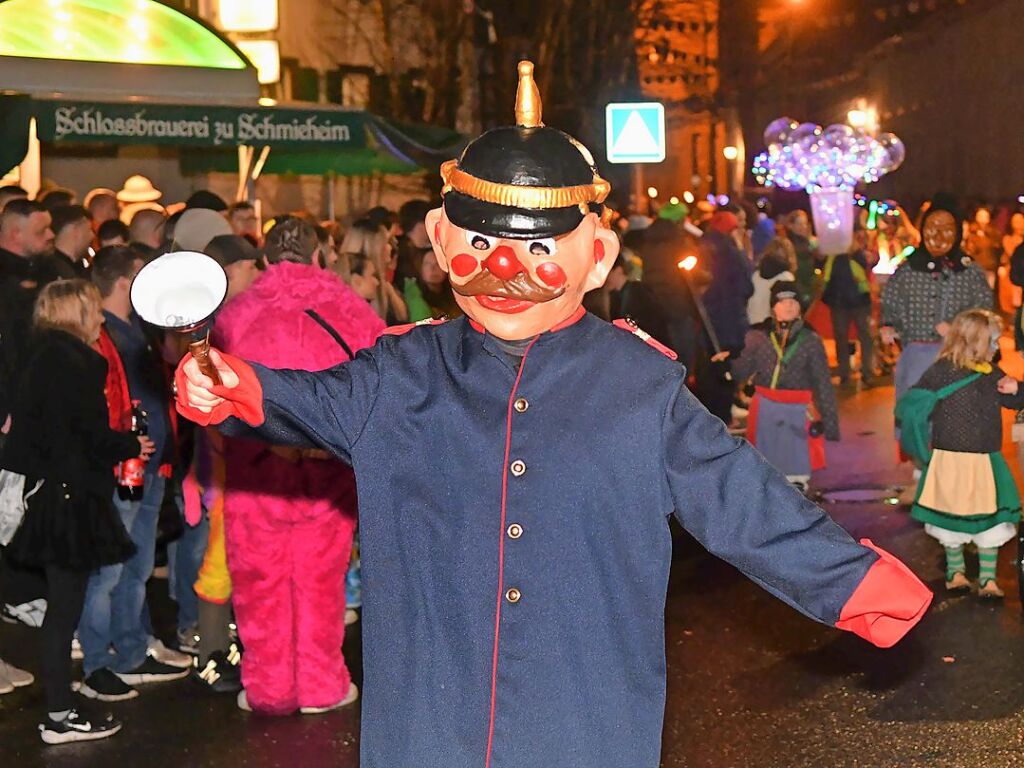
(139, 189)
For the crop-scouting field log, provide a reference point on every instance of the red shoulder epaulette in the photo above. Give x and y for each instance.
(399, 330)
(629, 325)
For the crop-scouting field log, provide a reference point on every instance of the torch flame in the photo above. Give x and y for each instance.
(688, 263)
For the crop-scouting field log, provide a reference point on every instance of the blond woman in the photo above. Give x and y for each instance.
(368, 241)
(61, 441)
(967, 494)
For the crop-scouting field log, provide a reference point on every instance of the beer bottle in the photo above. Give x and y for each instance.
(131, 472)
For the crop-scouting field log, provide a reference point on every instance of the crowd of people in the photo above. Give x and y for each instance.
(86, 395)
(269, 541)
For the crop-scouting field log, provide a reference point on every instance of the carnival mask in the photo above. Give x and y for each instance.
(940, 233)
(515, 288)
(520, 233)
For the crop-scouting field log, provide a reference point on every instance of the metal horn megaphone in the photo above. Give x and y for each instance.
(181, 291)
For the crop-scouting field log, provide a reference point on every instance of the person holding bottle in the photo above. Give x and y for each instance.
(113, 613)
(60, 440)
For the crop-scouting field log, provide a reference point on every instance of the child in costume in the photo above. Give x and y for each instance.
(967, 494)
(788, 367)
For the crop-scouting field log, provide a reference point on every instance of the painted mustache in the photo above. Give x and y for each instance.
(522, 287)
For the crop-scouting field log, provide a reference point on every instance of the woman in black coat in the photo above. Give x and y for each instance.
(60, 435)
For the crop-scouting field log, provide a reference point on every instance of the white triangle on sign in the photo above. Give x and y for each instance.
(636, 138)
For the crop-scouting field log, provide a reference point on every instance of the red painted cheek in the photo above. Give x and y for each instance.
(551, 274)
(598, 252)
(464, 265)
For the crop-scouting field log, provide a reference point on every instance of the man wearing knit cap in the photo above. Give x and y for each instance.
(517, 469)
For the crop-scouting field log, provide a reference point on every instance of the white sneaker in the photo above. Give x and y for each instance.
(165, 655)
(353, 694)
(30, 614)
(243, 701)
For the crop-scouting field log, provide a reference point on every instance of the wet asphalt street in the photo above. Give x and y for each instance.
(750, 681)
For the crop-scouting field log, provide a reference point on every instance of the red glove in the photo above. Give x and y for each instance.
(244, 401)
(887, 603)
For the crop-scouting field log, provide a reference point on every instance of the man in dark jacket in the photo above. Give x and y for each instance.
(663, 246)
(72, 229)
(848, 295)
(25, 234)
(725, 302)
(119, 652)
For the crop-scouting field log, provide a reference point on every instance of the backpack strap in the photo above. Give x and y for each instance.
(956, 386)
(330, 329)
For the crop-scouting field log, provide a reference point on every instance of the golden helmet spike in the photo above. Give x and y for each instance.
(528, 106)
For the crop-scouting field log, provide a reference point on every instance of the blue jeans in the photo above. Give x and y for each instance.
(116, 596)
(354, 578)
(184, 557)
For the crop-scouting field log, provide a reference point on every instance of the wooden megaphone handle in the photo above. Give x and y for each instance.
(201, 353)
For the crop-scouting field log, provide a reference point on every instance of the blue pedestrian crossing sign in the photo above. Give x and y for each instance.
(635, 132)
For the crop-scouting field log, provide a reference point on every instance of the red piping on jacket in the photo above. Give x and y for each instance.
(501, 552)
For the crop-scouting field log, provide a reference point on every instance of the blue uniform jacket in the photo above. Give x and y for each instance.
(515, 537)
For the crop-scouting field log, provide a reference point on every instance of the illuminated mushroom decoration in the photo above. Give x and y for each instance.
(827, 163)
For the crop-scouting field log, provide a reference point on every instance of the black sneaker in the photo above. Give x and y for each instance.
(104, 685)
(75, 727)
(221, 673)
(152, 671)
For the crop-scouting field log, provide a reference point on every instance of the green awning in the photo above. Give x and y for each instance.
(196, 125)
(343, 162)
(303, 140)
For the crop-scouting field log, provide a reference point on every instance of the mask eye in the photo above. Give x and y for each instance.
(545, 247)
(478, 241)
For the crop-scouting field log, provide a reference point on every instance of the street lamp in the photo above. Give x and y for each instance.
(730, 153)
(863, 116)
(652, 192)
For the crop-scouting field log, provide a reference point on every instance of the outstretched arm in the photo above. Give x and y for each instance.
(323, 409)
(743, 511)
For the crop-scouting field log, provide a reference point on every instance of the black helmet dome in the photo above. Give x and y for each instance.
(525, 181)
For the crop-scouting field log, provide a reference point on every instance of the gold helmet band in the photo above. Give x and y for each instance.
(528, 115)
(522, 196)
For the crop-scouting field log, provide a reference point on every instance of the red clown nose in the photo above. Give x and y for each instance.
(503, 264)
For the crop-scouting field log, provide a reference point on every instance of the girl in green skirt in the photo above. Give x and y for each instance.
(967, 494)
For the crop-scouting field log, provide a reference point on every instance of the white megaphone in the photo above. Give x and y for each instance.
(181, 291)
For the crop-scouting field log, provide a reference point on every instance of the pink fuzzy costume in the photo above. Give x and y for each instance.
(289, 524)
